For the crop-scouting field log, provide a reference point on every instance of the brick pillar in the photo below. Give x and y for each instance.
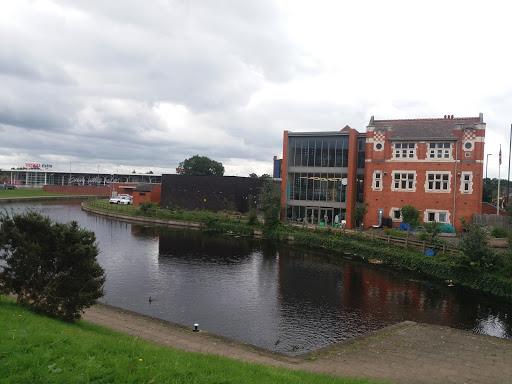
(351, 178)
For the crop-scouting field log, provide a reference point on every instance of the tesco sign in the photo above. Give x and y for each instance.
(38, 166)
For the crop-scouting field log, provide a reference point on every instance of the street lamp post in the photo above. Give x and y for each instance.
(69, 173)
(487, 163)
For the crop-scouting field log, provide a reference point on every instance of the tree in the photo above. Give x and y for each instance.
(359, 212)
(50, 266)
(475, 248)
(411, 216)
(200, 166)
(255, 176)
(270, 203)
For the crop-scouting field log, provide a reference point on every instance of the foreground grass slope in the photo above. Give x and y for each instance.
(35, 349)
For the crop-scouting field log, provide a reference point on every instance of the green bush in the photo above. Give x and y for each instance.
(252, 217)
(394, 232)
(149, 208)
(49, 266)
(500, 232)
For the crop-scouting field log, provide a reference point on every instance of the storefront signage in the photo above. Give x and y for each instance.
(38, 166)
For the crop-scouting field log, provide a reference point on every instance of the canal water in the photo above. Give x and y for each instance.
(276, 296)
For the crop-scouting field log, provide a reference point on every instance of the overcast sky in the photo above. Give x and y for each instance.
(142, 85)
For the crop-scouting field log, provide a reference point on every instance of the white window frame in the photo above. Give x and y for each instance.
(392, 212)
(377, 180)
(466, 179)
(439, 151)
(439, 178)
(404, 177)
(407, 153)
(436, 213)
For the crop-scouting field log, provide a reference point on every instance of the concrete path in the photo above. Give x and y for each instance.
(404, 353)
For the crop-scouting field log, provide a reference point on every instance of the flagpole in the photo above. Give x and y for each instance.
(499, 179)
(509, 151)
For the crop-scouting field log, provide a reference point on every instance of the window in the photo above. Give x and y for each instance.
(467, 154)
(440, 150)
(466, 182)
(378, 146)
(438, 181)
(404, 181)
(468, 145)
(377, 181)
(438, 216)
(404, 150)
(395, 214)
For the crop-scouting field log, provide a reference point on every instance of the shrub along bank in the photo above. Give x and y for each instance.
(495, 279)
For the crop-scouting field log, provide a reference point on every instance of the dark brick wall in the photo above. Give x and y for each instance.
(214, 193)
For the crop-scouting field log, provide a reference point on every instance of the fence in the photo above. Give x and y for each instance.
(423, 245)
(492, 220)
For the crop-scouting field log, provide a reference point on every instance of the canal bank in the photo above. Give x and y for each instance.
(407, 352)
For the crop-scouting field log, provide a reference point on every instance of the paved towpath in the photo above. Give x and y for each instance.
(404, 353)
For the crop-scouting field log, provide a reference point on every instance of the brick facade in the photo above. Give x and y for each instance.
(436, 165)
(147, 192)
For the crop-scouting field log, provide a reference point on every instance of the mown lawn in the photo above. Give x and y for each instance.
(36, 349)
(27, 193)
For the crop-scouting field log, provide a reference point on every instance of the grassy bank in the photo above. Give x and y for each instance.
(35, 349)
(11, 193)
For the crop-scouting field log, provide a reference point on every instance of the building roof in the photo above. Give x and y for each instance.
(145, 187)
(425, 129)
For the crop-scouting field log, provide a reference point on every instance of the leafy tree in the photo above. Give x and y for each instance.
(270, 203)
(411, 216)
(487, 191)
(50, 266)
(359, 212)
(264, 176)
(201, 166)
(475, 247)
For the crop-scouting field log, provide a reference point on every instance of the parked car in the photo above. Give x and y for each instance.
(8, 186)
(121, 199)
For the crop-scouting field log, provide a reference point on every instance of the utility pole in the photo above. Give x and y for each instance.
(487, 163)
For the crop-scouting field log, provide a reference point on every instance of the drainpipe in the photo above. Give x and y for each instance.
(455, 179)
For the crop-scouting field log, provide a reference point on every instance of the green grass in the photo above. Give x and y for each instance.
(197, 216)
(27, 193)
(36, 349)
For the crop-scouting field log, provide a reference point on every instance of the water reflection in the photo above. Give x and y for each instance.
(260, 292)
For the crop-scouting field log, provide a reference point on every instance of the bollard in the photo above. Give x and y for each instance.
(196, 327)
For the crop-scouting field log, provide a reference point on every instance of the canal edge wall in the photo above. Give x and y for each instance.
(142, 219)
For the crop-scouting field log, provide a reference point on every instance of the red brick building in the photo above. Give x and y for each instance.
(436, 165)
(144, 193)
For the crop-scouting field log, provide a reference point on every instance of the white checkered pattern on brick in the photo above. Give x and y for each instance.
(378, 137)
(469, 136)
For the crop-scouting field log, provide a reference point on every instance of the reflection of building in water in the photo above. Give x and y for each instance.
(188, 244)
(372, 295)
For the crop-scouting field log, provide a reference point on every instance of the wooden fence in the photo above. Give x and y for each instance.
(408, 242)
(492, 220)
